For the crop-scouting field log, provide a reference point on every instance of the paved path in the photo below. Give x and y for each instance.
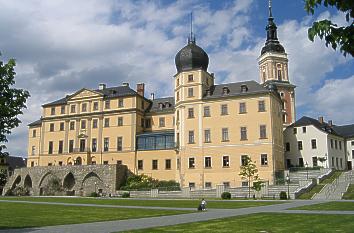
(131, 224)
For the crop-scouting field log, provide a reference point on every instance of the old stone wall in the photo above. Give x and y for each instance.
(75, 180)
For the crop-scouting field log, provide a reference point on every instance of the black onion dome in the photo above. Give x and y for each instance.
(191, 57)
(273, 47)
(272, 44)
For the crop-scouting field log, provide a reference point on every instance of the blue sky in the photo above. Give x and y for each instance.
(62, 46)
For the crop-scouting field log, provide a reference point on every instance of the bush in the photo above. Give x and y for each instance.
(283, 196)
(226, 195)
(93, 194)
(144, 182)
(125, 195)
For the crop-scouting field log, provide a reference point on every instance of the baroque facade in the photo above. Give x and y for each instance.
(198, 137)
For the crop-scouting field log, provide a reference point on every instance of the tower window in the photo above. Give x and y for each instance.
(190, 92)
(279, 74)
(244, 88)
(264, 76)
(190, 78)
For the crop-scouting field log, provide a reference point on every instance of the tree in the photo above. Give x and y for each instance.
(3, 178)
(249, 171)
(334, 35)
(12, 102)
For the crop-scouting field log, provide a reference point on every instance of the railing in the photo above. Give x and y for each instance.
(331, 188)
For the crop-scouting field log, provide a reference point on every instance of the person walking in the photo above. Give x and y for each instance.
(203, 205)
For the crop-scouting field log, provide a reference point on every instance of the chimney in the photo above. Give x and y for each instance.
(152, 96)
(126, 84)
(320, 119)
(101, 86)
(212, 74)
(330, 123)
(140, 88)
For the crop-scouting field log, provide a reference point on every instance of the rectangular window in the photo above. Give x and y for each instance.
(50, 164)
(243, 133)
(244, 159)
(107, 104)
(264, 159)
(140, 164)
(62, 109)
(352, 154)
(207, 162)
(224, 110)
(208, 185)
(34, 132)
(287, 146)
(191, 136)
(168, 164)
(190, 112)
(120, 121)
(60, 163)
(206, 111)
(332, 143)
(94, 123)
(207, 135)
(154, 164)
(119, 162)
(191, 185)
(261, 106)
(71, 146)
(50, 149)
(120, 103)
(226, 161)
(352, 143)
(304, 129)
(279, 74)
(61, 126)
(106, 122)
(83, 124)
(299, 145)
(332, 161)
(263, 131)
(190, 92)
(340, 145)
(226, 184)
(147, 123)
(94, 144)
(314, 162)
(105, 162)
(51, 127)
(105, 144)
(190, 78)
(142, 121)
(161, 122)
(84, 107)
(336, 144)
(60, 149)
(191, 163)
(82, 145)
(119, 143)
(52, 111)
(33, 150)
(337, 163)
(225, 134)
(313, 143)
(95, 106)
(72, 108)
(243, 108)
(72, 125)
(244, 183)
(295, 130)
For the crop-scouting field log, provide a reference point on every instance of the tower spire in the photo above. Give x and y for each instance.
(270, 8)
(191, 38)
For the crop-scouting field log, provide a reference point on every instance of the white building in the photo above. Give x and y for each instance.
(310, 142)
(347, 131)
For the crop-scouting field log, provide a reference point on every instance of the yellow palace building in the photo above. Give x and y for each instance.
(198, 137)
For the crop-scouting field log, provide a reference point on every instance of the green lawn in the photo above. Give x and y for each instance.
(267, 223)
(160, 203)
(20, 215)
(330, 179)
(349, 195)
(349, 206)
(313, 191)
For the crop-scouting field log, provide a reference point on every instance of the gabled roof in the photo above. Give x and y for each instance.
(36, 123)
(305, 121)
(110, 92)
(234, 89)
(346, 131)
(166, 104)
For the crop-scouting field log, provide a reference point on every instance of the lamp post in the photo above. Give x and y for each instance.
(95, 187)
(307, 171)
(288, 182)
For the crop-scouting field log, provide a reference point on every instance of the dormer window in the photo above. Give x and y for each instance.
(225, 90)
(244, 88)
(167, 104)
(279, 75)
(160, 105)
(190, 78)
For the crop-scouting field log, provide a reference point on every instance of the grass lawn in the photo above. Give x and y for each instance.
(160, 203)
(349, 195)
(313, 191)
(349, 206)
(267, 223)
(330, 179)
(19, 215)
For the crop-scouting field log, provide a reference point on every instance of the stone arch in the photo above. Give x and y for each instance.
(69, 182)
(69, 161)
(28, 182)
(45, 183)
(16, 182)
(78, 161)
(92, 183)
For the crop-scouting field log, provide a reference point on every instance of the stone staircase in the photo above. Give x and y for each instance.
(337, 188)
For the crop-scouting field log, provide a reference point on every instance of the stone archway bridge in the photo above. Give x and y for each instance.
(76, 180)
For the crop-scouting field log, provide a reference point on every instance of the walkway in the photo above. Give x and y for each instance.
(131, 224)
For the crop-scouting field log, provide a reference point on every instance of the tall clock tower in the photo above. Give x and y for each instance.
(273, 69)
